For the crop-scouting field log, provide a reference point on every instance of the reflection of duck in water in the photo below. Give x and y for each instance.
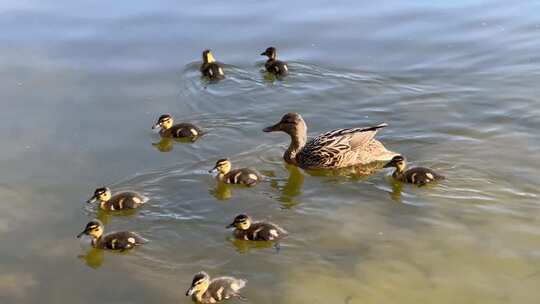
(331, 150)
(210, 68)
(121, 241)
(291, 188)
(93, 258)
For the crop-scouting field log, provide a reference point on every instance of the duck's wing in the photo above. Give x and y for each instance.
(225, 288)
(336, 148)
(261, 231)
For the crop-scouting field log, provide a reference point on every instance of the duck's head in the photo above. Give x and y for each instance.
(200, 284)
(290, 123)
(397, 162)
(270, 52)
(165, 121)
(208, 57)
(241, 222)
(102, 194)
(223, 166)
(94, 229)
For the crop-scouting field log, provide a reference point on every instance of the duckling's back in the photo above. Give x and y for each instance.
(224, 288)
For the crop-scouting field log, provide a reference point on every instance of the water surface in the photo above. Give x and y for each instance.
(82, 83)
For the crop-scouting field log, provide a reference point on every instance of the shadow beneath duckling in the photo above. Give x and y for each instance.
(222, 191)
(167, 144)
(105, 216)
(292, 187)
(243, 246)
(93, 258)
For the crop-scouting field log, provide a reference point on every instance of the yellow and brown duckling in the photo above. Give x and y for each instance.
(122, 240)
(419, 176)
(331, 150)
(210, 67)
(273, 65)
(248, 230)
(170, 130)
(119, 201)
(244, 176)
(203, 290)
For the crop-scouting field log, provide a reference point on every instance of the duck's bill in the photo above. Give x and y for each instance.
(91, 200)
(263, 53)
(190, 291)
(273, 128)
(214, 170)
(81, 234)
(389, 165)
(231, 225)
(155, 126)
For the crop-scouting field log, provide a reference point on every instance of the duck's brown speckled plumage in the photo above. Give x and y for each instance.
(334, 149)
(419, 175)
(206, 291)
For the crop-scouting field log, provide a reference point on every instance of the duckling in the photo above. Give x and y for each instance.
(123, 240)
(419, 176)
(331, 150)
(244, 176)
(119, 201)
(246, 229)
(171, 130)
(210, 67)
(273, 65)
(203, 290)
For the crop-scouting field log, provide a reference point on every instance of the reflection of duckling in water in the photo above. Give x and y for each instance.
(247, 229)
(123, 240)
(120, 201)
(418, 176)
(93, 258)
(222, 191)
(210, 68)
(204, 291)
(244, 176)
(181, 130)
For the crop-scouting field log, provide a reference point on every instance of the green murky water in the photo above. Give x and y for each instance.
(82, 83)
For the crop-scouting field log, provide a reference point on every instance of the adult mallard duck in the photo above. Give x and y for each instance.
(419, 176)
(273, 65)
(331, 150)
(203, 290)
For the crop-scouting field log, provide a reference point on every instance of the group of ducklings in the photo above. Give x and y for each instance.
(335, 149)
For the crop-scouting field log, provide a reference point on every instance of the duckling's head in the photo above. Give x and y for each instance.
(94, 229)
(165, 121)
(208, 57)
(270, 52)
(290, 123)
(103, 194)
(398, 162)
(223, 166)
(241, 222)
(200, 284)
